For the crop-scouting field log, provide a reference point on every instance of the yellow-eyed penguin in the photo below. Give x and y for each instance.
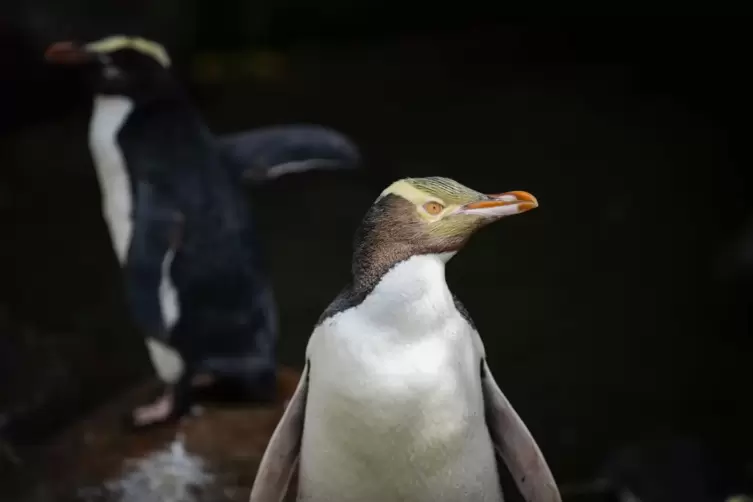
(396, 401)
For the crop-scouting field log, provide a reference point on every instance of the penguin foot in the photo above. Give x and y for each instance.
(164, 411)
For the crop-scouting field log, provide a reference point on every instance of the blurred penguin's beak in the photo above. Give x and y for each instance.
(500, 205)
(68, 53)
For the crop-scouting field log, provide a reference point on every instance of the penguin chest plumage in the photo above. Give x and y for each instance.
(395, 398)
(108, 116)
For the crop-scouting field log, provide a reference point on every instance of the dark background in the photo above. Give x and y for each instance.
(616, 311)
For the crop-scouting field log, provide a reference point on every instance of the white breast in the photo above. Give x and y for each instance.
(108, 116)
(394, 386)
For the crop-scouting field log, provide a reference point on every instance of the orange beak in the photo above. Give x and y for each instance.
(500, 205)
(66, 53)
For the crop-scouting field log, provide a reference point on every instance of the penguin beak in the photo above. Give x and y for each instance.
(501, 205)
(67, 53)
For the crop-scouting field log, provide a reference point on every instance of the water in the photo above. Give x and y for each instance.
(168, 475)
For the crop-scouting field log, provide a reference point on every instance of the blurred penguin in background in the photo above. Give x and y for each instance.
(173, 198)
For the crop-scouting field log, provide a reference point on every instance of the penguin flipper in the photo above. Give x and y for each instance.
(515, 444)
(270, 152)
(280, 457)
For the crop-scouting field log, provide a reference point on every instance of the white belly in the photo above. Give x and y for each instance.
(396, 416)
(108, 116)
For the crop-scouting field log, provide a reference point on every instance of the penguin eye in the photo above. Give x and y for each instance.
(433, 208)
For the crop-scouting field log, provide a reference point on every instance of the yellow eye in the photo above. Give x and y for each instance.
(433, 208)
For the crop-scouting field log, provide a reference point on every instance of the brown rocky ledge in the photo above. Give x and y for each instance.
(91, 459)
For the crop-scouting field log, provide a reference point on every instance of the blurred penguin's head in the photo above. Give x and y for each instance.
(119, 65)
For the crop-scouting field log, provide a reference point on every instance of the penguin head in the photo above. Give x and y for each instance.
(119, 66)
(433, 216)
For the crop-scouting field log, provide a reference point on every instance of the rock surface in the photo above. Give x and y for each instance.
(211, 457)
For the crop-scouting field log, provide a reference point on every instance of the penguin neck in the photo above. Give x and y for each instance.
(371, 263)
(412, 292)
(389, 235)
(112, 113)
(393, 281)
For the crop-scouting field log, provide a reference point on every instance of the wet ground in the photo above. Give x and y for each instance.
(210, 457)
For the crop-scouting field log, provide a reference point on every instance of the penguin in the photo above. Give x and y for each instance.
(174, 200)
(396, 401)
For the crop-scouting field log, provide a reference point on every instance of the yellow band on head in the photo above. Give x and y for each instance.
(408, 192)
(118, 42)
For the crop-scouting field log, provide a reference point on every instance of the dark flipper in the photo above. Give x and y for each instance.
(279, 460)
(270, 152)
(516, 446)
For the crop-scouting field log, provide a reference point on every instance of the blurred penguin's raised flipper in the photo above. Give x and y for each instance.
(516, 446)
(270, 152)
(280, 458)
